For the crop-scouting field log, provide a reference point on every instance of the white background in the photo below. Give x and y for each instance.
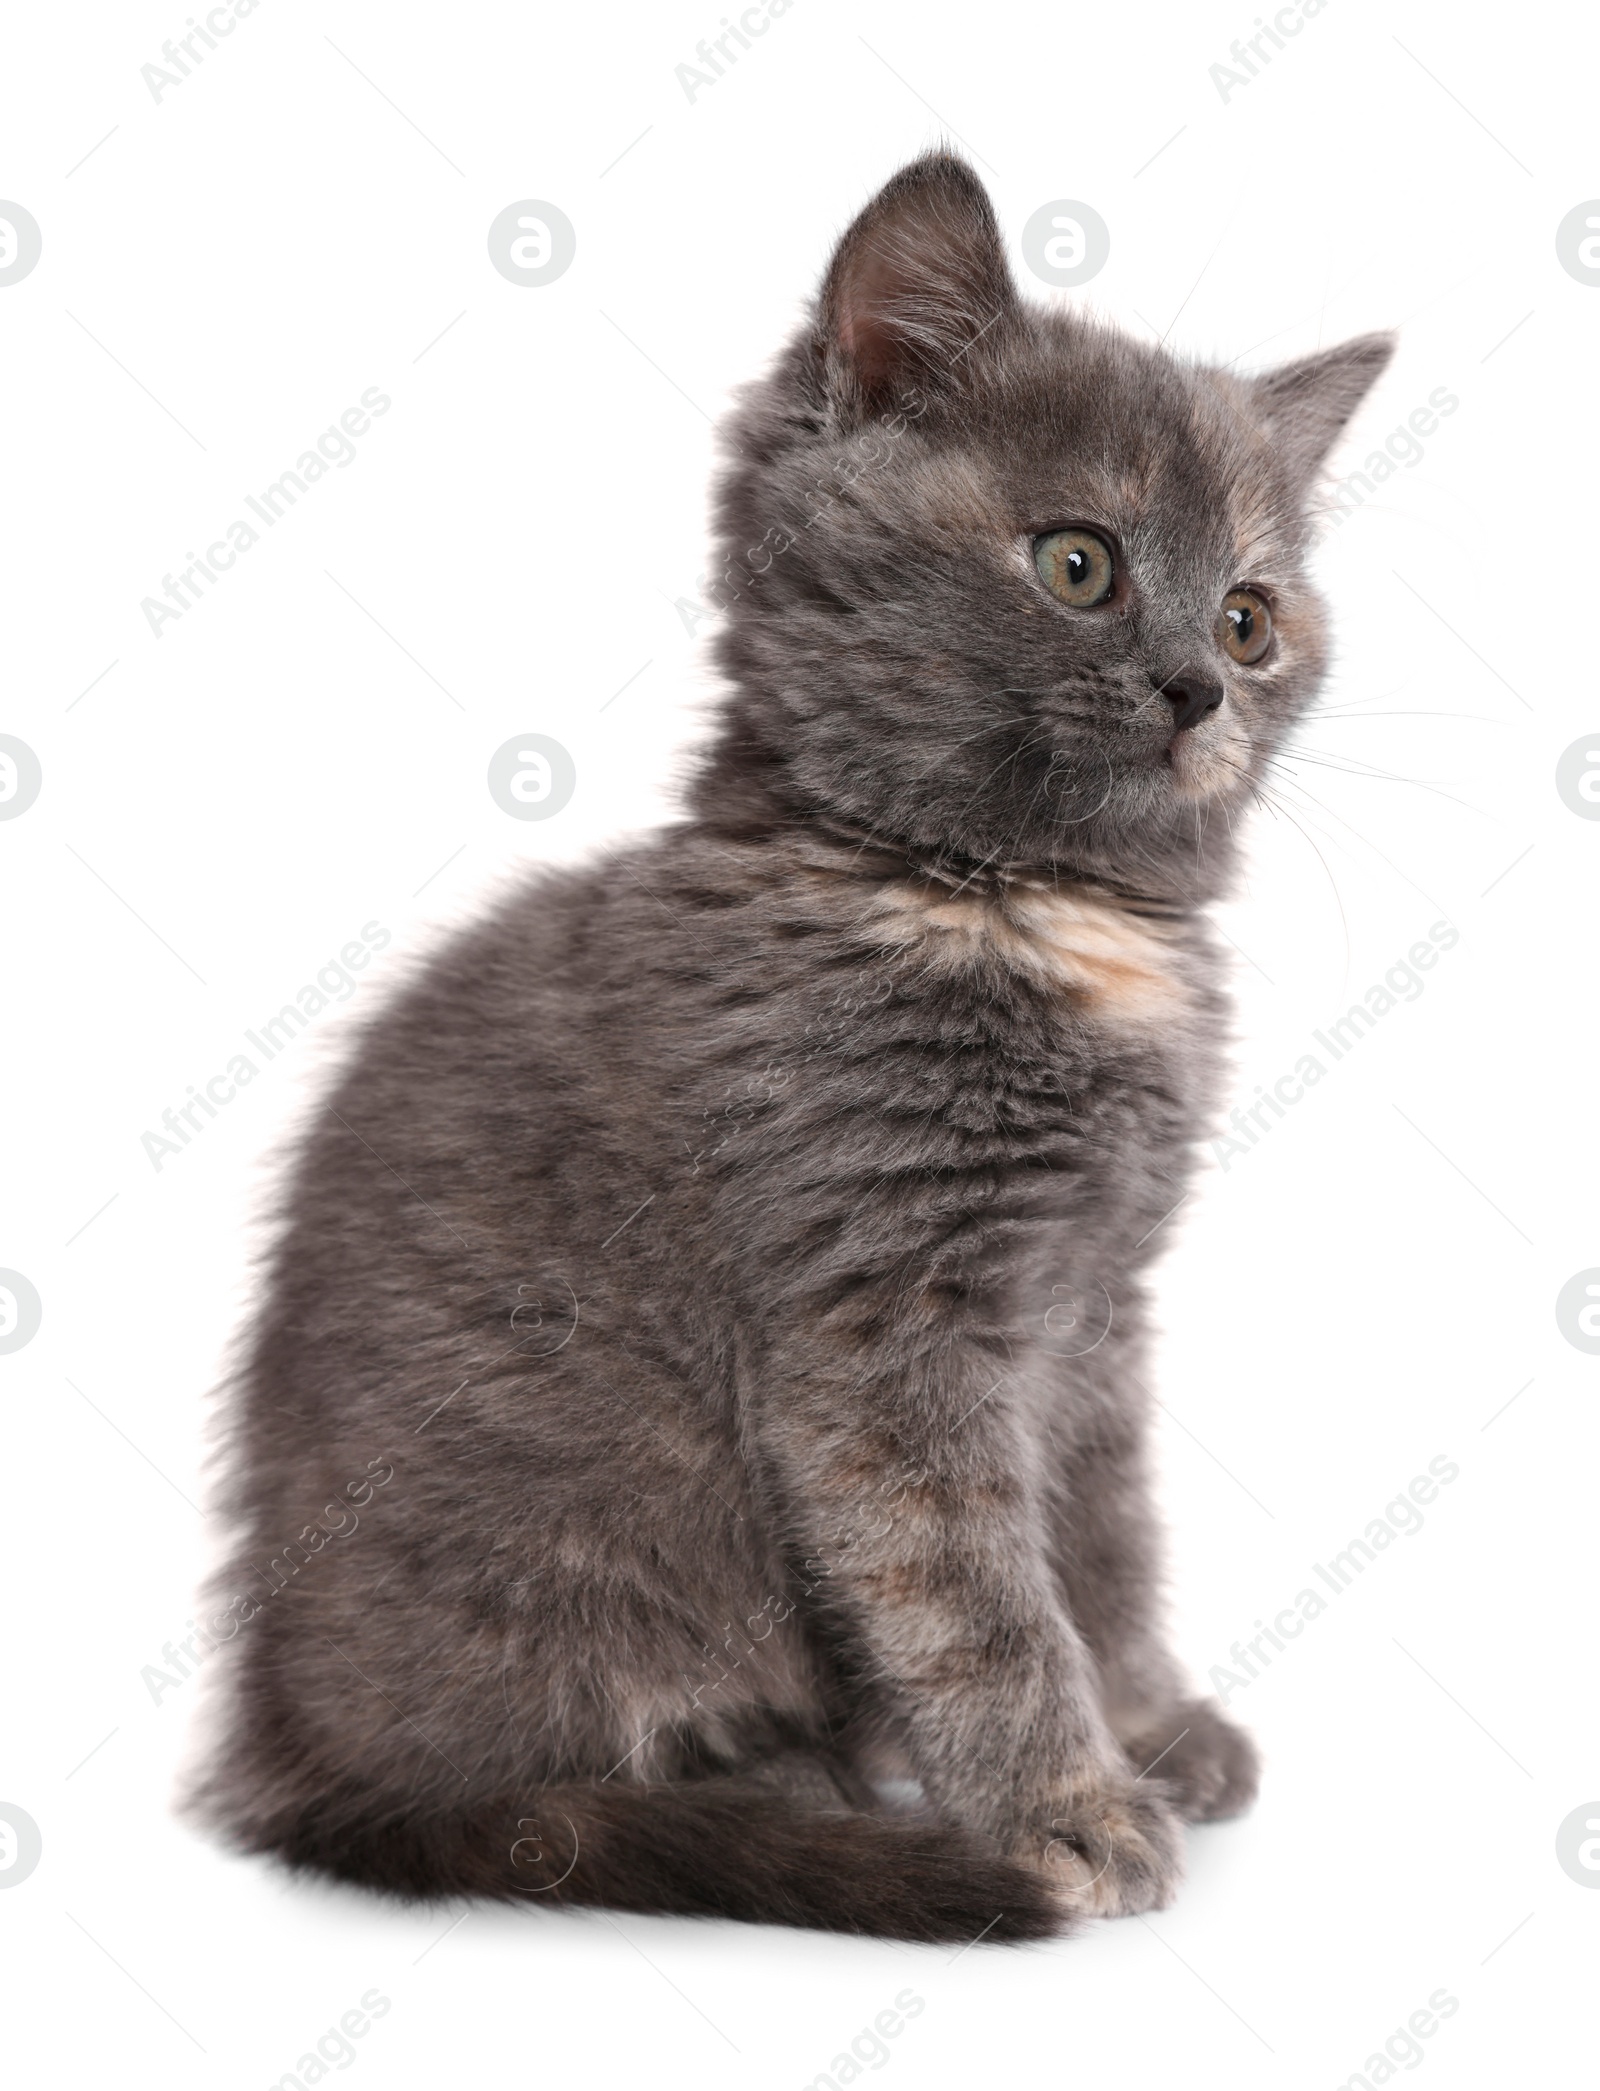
(304, 752)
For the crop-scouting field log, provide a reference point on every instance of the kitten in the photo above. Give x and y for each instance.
(701, 1394)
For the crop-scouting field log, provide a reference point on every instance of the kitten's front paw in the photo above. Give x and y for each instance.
(1212, 1767)
(1115, 1849)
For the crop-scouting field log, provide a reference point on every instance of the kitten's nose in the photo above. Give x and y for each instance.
(1191, 697)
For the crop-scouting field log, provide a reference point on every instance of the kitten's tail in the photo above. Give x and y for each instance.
(705, 1849)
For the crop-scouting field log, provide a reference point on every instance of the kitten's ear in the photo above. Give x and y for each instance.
(918, 282)
(1304, 406)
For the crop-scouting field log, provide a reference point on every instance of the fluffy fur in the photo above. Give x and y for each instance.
(701, 1387)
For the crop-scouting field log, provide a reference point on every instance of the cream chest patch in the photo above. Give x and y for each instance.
(1120, 965)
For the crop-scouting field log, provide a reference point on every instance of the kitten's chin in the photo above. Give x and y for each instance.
(1203, 770)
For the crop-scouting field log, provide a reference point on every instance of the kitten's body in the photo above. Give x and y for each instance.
(734, 1248)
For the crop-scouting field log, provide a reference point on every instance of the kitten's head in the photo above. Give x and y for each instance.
(1003, 582)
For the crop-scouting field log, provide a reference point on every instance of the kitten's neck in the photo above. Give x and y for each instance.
(994, 876)
(746, 794)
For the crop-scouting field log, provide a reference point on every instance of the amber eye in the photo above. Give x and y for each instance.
(1076, 566)
(1245, 626)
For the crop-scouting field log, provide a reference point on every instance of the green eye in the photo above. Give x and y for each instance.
(1245, 626)
(1077, 566)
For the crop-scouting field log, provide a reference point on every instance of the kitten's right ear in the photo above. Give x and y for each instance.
(917, 285)
(1304, 406)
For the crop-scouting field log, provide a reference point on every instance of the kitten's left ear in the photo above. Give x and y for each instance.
(918, 289)
(1304, 406)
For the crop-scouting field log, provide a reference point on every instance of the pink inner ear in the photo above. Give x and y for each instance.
(866, 333)
(910, 275)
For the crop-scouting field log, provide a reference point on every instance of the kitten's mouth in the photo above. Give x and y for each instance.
(1202, 768)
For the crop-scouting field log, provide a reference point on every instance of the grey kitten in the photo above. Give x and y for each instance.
(701, 1392)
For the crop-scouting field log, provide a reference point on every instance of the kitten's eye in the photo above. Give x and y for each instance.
(1077, 566)
(1245, 626)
